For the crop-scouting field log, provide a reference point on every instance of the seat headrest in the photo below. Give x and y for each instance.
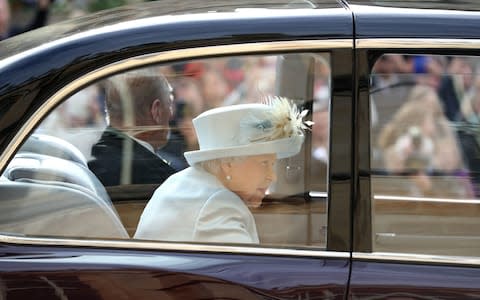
(53, 146)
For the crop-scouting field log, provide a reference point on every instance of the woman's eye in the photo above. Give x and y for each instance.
(267, 163)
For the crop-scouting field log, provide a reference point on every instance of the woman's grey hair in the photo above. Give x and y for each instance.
(213, 166)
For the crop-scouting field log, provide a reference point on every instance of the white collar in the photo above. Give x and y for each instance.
(144, 144)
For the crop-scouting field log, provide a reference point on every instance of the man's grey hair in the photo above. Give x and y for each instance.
(130, 95)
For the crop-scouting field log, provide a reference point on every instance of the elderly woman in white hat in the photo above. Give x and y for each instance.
(239, 145)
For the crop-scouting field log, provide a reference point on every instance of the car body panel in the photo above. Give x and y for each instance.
(379, 22)
(76, 273)
(67, 54)
(70, 52)
(372, 279)
(427, 27)
(466, 5)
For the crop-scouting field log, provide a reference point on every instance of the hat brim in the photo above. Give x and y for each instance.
(284, 148)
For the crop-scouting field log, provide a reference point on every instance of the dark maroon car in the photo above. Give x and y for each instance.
(381, 202)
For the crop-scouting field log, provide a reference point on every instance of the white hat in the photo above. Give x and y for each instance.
(249, 129)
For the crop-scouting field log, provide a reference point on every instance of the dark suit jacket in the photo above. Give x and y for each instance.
(449, 98)
(112, 148)
(471, 154)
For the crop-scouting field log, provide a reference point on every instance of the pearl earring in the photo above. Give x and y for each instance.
(228, 177)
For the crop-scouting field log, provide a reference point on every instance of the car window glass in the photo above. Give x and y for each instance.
(425, 150)
(110, 146)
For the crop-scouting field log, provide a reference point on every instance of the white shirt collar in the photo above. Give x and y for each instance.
(144, 144)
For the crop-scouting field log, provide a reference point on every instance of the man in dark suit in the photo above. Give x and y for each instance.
(139, 108)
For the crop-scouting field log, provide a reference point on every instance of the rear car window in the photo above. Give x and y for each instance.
(425, 154)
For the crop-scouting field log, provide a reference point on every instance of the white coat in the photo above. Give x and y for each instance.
(193, 206)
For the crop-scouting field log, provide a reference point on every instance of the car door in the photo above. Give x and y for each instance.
(67, 233)
(417, 208)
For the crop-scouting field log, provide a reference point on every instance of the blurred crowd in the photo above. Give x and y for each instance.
(18, 16)
(427, 109)
(39, 19)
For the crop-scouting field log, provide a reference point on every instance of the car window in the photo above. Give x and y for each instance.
(105, 152)
(425, 151)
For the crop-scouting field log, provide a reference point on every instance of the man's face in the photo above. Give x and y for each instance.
(156, 122)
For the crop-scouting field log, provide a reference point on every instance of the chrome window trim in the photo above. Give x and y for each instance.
(419, 43)
(172, 246)
(264, 48)
(386, 257)
(315, 194)
(425, 199)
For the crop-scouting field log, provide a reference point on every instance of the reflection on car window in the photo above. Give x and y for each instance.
(128, 134)
(425, 181)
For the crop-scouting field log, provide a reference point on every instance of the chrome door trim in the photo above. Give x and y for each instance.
(419, 43)
(385, 257)
(172, 246)
(191, 53)
(425, 199)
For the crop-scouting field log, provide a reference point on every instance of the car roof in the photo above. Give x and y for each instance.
(465, 5)
(145, 10)
(430, 20)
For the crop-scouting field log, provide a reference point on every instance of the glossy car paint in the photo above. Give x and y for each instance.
(375, 280)
(414, 23)
(76, 48)
(73, 49)
(86, 273)
(388, 276)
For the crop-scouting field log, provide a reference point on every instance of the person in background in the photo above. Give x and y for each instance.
(182, 138)
(454, 86)
(39, 20)
(188, 104)
(468, 129)
(419, 143)
(320, 132)
(232, 171)
(139, 109)
(214, 87)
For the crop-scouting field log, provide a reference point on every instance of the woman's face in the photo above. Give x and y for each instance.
(251, 177)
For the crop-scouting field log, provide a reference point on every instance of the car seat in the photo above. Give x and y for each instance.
(48, 190)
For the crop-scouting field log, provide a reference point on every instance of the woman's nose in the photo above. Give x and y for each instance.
(272, 175)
